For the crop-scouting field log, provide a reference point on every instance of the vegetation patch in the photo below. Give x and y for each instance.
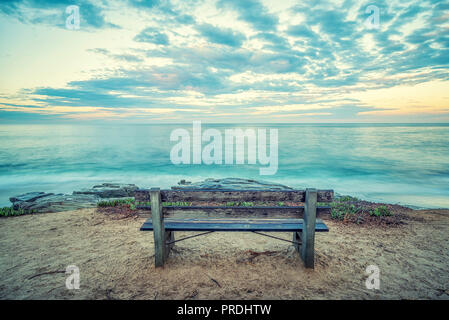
(118, 208)
(10, 212)
(131, 203)
(115, 203)
(353, 210)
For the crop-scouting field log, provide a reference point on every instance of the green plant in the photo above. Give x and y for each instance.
(9, 212)
(115, 203)
(340, 210)
(247, 204)
(143, 203)
(347, 199)
(381, 211)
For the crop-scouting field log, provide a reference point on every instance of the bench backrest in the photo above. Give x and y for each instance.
(225, 196)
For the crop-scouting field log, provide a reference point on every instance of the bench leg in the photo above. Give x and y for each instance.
(308, 232)
(297, 241)
(169, 237)
(158, 227)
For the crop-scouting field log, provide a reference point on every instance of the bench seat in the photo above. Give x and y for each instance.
(211, 224)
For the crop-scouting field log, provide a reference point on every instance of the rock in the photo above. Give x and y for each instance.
(110, 190)
(30, 196)
(88, 198)
(50, 202)
(231, 183)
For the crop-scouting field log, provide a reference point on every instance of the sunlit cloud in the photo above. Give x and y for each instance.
(246, 61)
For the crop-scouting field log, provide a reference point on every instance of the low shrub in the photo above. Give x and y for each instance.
(340, 210)
(381, 211)
(351, 209)
(10, 212)
(115, 203)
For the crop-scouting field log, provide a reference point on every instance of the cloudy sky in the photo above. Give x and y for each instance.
(225, 61)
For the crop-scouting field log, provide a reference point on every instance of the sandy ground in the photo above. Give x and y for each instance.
(116, 261)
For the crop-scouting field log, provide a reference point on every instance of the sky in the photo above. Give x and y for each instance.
(239, 61)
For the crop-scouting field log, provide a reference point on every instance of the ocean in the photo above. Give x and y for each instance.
(394, 163)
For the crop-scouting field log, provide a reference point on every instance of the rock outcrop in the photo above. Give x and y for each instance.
(87, 198)
(231, 183)
(110, 190)
(50, 202)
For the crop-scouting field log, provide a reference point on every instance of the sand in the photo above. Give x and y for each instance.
(116, 261)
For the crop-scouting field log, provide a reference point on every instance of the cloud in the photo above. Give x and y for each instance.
(247, 60)
(118, 57)
(165, 8)
(52, 12)
(144, 3)
(152, 35)
(301, 31)
(253, 12)
(227, 37)
(273, 42)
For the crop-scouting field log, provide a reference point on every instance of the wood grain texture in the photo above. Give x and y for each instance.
(244, 225)
(308, 232)
(237, 211)
(157, 220)
(188, 195)
(297, 241)
(169, 237)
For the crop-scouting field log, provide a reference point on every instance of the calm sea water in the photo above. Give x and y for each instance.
(406, 164)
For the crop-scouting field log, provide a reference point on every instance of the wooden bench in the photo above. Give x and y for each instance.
(300, 220)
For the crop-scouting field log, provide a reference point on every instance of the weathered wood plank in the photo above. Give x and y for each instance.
(157, 219)
(234, 220)
(297, 241)
(244, 225)
(308, 232)
(189, 195)
(237, 212)
(169, 237)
